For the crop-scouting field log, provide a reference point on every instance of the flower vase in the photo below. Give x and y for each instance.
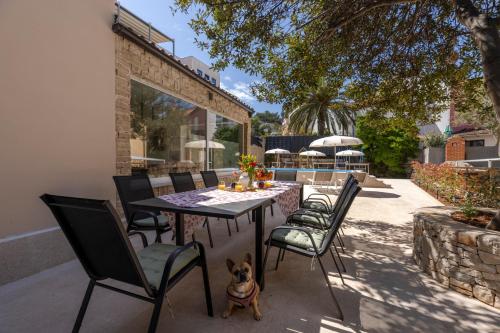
(251, 177)
(244, 179)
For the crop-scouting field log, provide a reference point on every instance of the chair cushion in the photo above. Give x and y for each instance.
(154, 257)
(318, 205)
(310, 217)
(300, 239)
(149, 222)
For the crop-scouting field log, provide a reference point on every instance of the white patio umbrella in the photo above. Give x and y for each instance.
(313, 153)
(202, 144)
(336, 141)
(350, 153)
(277, 152)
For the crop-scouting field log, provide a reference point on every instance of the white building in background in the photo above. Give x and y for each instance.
(202, 69)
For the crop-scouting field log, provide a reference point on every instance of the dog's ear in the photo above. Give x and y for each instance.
(230, 265)
(248, 258)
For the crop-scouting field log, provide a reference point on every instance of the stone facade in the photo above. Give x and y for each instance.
(134, 61)
(460, 257)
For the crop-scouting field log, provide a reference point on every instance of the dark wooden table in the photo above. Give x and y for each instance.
(224, 210)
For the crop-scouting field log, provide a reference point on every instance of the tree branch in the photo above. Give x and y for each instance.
(364, 10)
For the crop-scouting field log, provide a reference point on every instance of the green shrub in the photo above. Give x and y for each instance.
(388, 144)
(434, 140)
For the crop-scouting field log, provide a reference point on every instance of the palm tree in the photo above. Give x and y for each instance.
(322, 109)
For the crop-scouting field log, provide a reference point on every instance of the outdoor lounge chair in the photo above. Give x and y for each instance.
(100, 242)
(183, 182)
(285, 175)
(138, 187)
(312, 242)
(322, 178)
(210, 179)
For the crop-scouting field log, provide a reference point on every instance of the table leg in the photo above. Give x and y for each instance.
(179, 229)
(253, 215)
(259, 243)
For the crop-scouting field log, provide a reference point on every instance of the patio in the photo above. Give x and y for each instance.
(385, 291)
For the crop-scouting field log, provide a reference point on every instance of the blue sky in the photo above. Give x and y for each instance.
(159, 13)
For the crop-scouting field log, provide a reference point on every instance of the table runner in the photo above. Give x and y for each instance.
(286, 195)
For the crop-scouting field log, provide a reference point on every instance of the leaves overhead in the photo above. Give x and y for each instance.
(394, 57)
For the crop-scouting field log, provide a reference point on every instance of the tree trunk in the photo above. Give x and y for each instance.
(484, 31)
(321, 123)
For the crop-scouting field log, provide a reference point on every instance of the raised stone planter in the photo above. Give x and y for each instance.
(461, 257)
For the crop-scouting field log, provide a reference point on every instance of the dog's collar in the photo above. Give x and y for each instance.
(243, 301)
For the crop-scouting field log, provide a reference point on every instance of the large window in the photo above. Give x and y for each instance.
(225, 136)
(170, 134)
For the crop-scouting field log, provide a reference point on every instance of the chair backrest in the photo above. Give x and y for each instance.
(182, 181)
(285, 175)
(209, 178)
(340, 216)
(133, 188)
(98, 238)
(343, 192)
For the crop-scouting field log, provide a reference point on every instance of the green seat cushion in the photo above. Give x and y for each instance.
(149, 221)
(300, 239)
(315, 205)
(308, 217)
(154, 257)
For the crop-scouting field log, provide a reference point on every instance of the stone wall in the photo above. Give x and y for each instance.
(460, 257)
(135, 62)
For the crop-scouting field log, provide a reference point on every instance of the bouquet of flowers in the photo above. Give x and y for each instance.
(248, 164)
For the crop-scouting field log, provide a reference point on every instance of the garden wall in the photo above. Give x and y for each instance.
(460, 257)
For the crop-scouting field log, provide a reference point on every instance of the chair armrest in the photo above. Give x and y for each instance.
(171, 260)
(320, 195)
(319, 201)
(291, 216)
(143, 237)
(153, 215)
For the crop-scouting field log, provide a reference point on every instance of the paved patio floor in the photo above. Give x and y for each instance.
(385, 291)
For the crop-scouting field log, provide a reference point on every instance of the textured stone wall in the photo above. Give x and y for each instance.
(133, 61)
(460, 257)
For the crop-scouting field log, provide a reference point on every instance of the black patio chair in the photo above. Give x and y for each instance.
(183, 182)
(317, 219)
(312, 242)
(210, 179)
(138, 187)
(96, 234)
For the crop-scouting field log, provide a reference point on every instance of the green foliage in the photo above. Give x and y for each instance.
(460, 186)
(434, 140)
(388, 144)
(468, 208)
(383, 57)
(320, 109)
(266, 123)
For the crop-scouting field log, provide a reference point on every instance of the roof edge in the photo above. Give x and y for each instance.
(127, 33)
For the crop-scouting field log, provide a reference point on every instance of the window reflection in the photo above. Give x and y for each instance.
(228, 134)
(162, 125)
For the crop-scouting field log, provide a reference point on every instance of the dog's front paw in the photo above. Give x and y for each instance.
(257, 316)
(225, 314)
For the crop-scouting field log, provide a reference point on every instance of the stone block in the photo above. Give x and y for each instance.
(457, 278)
(489, 258)
(468, 237)
(497, 302)
(461, 290)
(491, 276)
(483, 294)
(489, 243)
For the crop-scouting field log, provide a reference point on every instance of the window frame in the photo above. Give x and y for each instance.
(207, 109)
